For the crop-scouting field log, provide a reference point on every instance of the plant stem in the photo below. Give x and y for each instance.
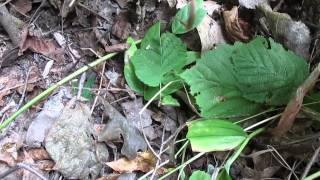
(240, 149)
(53, 88)
(182, 165)
(313, 176)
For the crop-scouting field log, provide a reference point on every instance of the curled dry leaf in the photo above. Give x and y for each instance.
(145, 161)
(236, 29)
(43, 46)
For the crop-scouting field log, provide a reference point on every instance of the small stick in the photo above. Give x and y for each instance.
(22, 166)
(311, 162)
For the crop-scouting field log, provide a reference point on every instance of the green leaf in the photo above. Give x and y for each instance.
(214, 135)
(181, 19)
(239, 80)
(151, 40)
(200, 175)
(268, 74)
(129, 74)
(213, 82)
(223, 175)
(151, 66)
(237, 153)
(169, 101)
(86, 93)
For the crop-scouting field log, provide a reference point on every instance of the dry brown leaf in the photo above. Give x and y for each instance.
(144, 162)
(23, 6)
(236, 28)
(38, 154)
(45, 165)
(13, 77)
(43, 46)
(27, 175)
(7, 158)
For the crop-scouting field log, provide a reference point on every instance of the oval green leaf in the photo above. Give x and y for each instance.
(200, 175)
(214, 135)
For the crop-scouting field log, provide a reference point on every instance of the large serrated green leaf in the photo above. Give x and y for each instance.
(151, 66)
(238, 80)
(213, 82)
(267, 74)
(214, 135)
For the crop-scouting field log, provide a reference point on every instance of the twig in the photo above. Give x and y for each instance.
(23, 166)
(5, 3)
(146, 139)
(160, 151)
(99, 89)
(148, 173)
(24, 89)
(281, 160)
(311, 162)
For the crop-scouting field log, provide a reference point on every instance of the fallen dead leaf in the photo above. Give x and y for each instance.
(117, 127)
(236, 29)
(7, 158)
(27, 175)
(121, 28)
(45, 165)
(43, 46)
(13, 78)
(23, 6)
(145, 161)
(210, 33)
(38, 154)
(131, 111)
